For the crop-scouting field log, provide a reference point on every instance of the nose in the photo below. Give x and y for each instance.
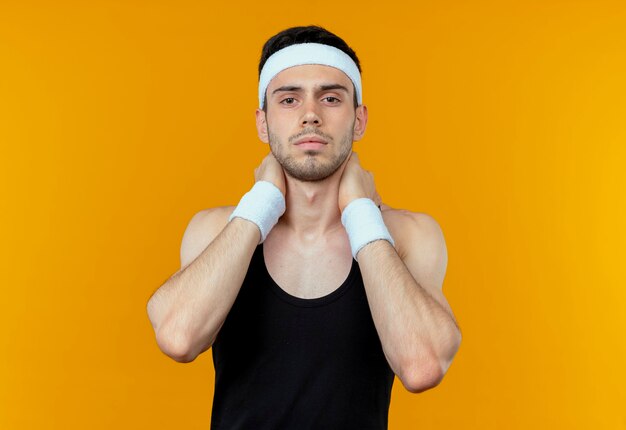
(311, 117)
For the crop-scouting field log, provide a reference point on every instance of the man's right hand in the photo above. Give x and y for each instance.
(270, 170)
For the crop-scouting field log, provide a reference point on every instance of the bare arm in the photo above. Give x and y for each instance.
(418, 331)
(188, 310)
(414, 321)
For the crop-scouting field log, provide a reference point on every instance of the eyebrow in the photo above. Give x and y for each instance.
(319, 88)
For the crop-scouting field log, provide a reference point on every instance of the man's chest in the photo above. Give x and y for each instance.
(307, 273)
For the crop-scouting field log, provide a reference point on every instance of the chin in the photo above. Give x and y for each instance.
(306, 172)
(313, 167)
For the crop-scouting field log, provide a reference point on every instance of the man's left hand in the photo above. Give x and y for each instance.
(355, 183)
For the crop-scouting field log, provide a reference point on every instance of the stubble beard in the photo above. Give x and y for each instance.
(312, 169)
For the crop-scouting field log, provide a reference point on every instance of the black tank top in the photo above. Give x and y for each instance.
(284, 362)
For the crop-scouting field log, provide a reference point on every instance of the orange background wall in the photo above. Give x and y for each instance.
(505, 121)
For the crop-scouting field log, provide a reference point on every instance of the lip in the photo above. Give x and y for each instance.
(311, 145)
(310, 139)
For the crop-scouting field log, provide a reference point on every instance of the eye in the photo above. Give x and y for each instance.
(332, 99)
(288, 101)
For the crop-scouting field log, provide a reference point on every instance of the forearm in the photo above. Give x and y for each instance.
(188, 310)
(419, 337)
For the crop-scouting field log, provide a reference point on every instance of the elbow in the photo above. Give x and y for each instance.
(425, 374)
(176, 350)
(422, 377)
(172, 343)
(175, 346)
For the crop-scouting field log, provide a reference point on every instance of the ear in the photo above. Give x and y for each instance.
(261, 126)
(360, 122)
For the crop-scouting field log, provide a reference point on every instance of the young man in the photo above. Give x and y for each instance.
(312, 293)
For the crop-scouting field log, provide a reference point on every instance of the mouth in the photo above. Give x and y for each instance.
(310, 142)
(310, 145)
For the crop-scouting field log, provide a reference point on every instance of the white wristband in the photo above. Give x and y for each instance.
(364, 223)
(262, 205)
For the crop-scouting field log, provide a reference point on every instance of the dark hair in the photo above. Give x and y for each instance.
(308, 34)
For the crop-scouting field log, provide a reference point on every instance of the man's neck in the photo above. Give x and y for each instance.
(312, 209)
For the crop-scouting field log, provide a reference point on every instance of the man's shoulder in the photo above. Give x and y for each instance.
(407, 218)
(210, 222)
(214, 214)
(409, 228)
(203, 227)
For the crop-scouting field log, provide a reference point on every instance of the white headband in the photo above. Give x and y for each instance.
(308, 53)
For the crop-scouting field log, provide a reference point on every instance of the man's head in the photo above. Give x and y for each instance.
(309, 34)
(309, 88)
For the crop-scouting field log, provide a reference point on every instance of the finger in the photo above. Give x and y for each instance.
(348, 160)
(377, 199)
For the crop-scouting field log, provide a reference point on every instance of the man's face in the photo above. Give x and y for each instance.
(316, 102)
